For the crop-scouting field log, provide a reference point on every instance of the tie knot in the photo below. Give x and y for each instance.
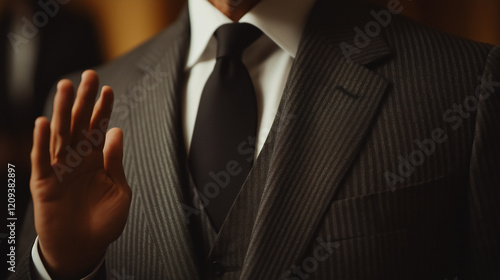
(234, 38)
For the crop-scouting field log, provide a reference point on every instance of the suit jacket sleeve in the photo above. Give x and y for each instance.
(484, 194)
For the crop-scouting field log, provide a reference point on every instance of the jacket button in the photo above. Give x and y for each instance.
(216, 269)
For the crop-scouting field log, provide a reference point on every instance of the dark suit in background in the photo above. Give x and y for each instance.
(66, 44)
(339, 190)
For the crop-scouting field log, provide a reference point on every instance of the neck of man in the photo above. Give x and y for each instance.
(234, 9)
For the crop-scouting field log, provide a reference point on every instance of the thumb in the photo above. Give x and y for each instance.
(113, 155)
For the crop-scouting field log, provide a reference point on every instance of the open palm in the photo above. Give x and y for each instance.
(80, 194)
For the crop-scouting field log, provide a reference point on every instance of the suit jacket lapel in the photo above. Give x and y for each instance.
(158, 174)
(327, 108)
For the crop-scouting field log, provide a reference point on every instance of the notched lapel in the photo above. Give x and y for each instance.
(159, 175)
(331, 103)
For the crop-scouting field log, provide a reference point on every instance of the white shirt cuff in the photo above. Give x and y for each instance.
(42, 274)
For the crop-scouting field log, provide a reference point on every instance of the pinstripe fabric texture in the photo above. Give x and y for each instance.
(383, 165)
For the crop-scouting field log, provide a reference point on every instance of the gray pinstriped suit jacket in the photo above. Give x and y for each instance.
(382, 166)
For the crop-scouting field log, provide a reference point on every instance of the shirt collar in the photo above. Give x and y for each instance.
(281, 20)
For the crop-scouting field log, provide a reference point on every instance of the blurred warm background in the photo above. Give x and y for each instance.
(89, 32)
(123, 24)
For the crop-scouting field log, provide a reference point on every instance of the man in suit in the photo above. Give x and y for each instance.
(382, 160)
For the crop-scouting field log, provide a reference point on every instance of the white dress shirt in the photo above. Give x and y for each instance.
(268, 61)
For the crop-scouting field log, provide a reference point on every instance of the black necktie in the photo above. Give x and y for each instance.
(223, 142)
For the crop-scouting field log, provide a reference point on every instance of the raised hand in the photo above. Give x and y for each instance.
(80, 194)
